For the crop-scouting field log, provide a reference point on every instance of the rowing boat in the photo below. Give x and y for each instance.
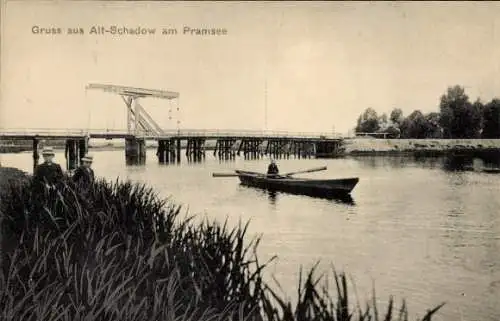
(306, 186)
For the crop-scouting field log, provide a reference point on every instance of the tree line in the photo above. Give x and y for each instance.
(457, 118)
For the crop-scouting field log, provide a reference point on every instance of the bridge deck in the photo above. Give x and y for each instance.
(167, 134)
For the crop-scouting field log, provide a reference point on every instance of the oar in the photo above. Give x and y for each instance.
(224, 174)
(317, 169)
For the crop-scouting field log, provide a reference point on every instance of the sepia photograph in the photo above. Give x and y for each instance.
(249, 160)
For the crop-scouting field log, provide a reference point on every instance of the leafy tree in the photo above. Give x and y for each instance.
(433, 127)
(475, 117)
(491, 119)
(383, 119)
(368, 122)
(458, 117)
(383, 122)
(415, 125)
(396, 116)
(393, 132)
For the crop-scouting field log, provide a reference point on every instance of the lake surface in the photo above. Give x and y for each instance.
(416, 230)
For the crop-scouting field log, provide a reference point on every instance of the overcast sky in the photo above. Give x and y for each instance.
(324, 62)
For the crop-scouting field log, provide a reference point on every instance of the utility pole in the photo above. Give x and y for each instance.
(265, 104)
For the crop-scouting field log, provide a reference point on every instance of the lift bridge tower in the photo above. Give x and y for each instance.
(140, 125)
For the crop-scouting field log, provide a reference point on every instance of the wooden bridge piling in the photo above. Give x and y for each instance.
(327, 149)
(167, 151)
(277, 148)
(195, 149)
(178, 152)
(227, 144)
(135, 151)
(250, 146)
(36, 156)
(160, 152)
(225, 148)
(74, 151)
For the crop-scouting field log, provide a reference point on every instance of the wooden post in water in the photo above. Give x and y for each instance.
(178, 154)
(135, 151)
(160, 152)
(71, 154)
(83, 148)
(216, 147)
(36, 156)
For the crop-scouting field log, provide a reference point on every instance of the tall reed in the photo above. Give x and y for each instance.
(119, 252)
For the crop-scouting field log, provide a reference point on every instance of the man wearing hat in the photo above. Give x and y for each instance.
(272, 169)
(48, 172)
(84, 174)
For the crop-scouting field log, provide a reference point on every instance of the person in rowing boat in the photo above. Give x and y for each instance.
(272, 169)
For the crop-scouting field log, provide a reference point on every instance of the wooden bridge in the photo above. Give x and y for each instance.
(61, 133)
(142, 127)
(228, 143)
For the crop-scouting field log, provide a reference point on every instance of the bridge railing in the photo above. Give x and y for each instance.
(63, 132)
(246, 133)
(66, 132)
(223, 133)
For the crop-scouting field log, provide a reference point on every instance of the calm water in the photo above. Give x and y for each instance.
(416, 230)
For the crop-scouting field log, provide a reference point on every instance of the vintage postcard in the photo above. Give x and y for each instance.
(265, 160)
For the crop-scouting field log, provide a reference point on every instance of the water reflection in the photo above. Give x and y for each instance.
(135, 160)
(195, 158)
(226, 157)
(457, 163)
(396, 162)
(463, 161)
(274, 195)
(487, 162)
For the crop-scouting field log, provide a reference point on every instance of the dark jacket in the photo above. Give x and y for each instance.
(49, 173)
(272, 169)
(84, 176)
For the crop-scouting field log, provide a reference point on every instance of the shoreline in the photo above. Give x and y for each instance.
(418, 147)
(422, 152)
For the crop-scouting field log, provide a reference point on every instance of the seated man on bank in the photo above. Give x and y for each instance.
(272, 169)
(48, 173)
(84, 175)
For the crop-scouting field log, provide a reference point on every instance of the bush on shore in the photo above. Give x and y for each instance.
(118, 252)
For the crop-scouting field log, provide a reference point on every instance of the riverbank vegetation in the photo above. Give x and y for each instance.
(457, 118)
(118, 252)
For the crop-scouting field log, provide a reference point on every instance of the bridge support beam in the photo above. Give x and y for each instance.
(195, 149)
(309, 149)
(135, 151)
(36, 156)
(178, 141)
(225, 148)
(325, 149)
(166, 151)
(300, 149)
(74, 151)
(278, 148)
(251, 148)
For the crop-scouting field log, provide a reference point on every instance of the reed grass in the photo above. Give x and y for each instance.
(119, 252)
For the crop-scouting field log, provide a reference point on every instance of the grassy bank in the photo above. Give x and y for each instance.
(429, 147)
(118, 252)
